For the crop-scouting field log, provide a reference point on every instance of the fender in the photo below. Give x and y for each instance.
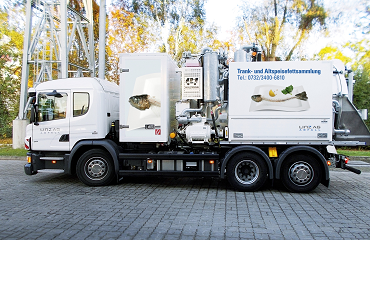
(107, 144)
(245, 148)
(303, 149)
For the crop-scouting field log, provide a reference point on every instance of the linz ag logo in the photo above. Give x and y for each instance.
(309, 128)
(157, 131)
(50, 130)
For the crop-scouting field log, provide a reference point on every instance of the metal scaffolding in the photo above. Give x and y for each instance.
(58, 43)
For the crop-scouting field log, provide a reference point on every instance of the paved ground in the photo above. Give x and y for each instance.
(48, 206)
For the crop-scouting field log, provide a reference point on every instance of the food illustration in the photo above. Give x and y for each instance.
(287, 90)
(272, 93)
(143, 102)
(301, 96)
(279, 98)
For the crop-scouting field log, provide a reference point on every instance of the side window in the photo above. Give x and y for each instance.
(81, 102)
(52, 107)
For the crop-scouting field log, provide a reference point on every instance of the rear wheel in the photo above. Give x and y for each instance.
(246, 172)
(300, 173)
(95, 168)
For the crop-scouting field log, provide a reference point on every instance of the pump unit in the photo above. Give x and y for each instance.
(192, 83)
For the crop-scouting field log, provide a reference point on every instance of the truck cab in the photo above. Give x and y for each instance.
(68, 111)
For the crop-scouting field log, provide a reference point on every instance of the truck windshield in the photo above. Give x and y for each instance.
(51, 107)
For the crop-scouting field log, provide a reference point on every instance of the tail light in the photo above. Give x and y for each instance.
(27, 144)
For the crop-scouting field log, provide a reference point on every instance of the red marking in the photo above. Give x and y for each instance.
(157, 131)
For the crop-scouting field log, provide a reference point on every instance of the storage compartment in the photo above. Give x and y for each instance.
(280, 101)
(149, 89)
(170, 165)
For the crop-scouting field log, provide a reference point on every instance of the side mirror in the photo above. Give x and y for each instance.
(34, 111)
(33, 117)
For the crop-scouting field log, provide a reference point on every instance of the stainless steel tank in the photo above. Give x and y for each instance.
(240, 56)
(210, 76)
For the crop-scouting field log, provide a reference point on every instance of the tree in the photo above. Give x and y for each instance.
(192, 36)
(361, 89)
(127, 33)
(168, 14)
(332, 52)
(11, 42)
(362, 14)
(269, 24)
(359, 63)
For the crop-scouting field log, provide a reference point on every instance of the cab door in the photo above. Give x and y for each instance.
(50, 132)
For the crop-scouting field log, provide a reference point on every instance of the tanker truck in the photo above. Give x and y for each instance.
(245, 120)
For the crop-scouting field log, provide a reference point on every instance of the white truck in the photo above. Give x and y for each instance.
(248, 121)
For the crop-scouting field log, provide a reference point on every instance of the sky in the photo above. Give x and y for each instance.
(222, 14)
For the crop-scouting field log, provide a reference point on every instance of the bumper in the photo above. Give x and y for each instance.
(30, 167)
(29, 170)
(32, 161)
(37, 162)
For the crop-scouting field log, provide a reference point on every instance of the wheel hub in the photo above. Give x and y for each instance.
(301, 173)
(96, 168)
(246, 171)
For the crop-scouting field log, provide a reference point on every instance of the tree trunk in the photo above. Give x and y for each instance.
(165, 32)
(303, 34)
(275, 40)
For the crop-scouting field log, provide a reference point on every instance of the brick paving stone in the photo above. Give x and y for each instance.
(157, 236)
(81, 235)
(51, 234)
(112, 235)
(56, 206)
(171, 237)
(247, 236)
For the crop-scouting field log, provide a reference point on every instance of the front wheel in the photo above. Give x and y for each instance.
(247, 172)
(300, 173)
(95, 168)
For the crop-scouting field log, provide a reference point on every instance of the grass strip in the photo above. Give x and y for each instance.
(354, 152)
(9, 151)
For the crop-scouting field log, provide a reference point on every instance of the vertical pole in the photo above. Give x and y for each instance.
(63, 39)
(102, 17)
(25, 67)
(350, 86)
(90, 16)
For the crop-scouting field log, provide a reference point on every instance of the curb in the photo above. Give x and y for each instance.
(360, 158)
(24, 158)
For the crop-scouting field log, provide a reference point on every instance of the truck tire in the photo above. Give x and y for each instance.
(300, 173)
(246, 172)
(95, 168)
